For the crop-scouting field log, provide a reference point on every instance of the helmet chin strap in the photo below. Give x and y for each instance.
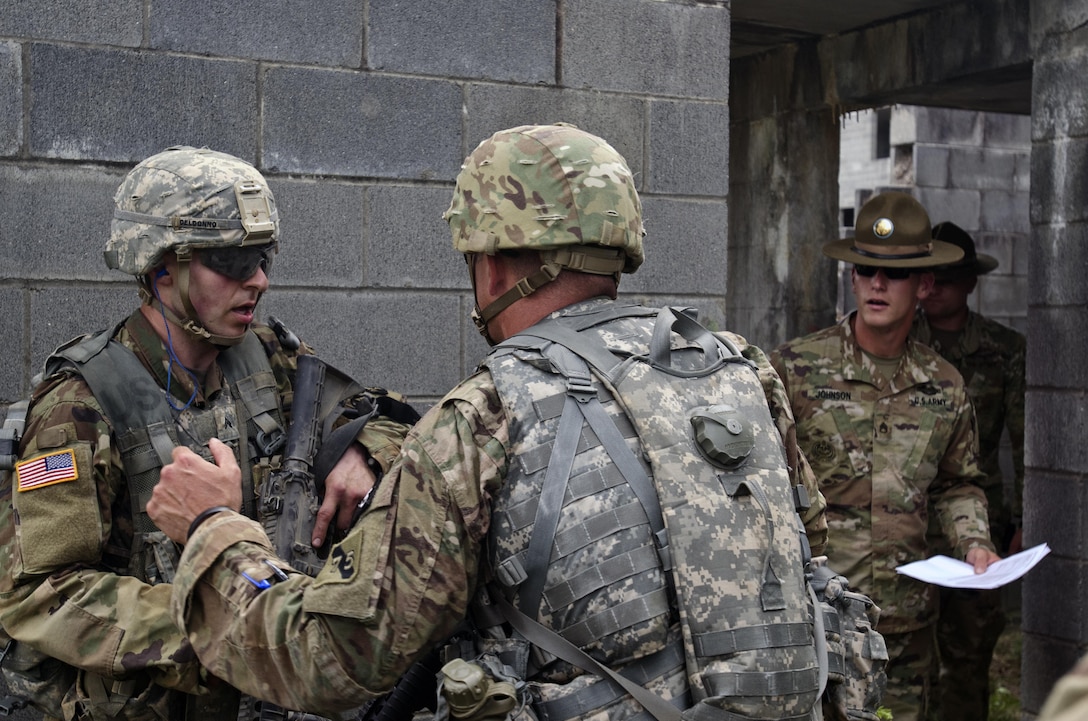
(524, 287)
(584, 259)
(191, 324)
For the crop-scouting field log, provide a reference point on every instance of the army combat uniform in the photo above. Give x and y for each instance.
(404, 576)
(71, 587)
(990, 357)
(884, 450)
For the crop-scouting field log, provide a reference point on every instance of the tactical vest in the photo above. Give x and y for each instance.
(146, 429)
(649, 519)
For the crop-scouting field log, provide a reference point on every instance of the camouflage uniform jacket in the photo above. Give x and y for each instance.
(401, 580)
(990, 357)
(882, 450)
(64, 587)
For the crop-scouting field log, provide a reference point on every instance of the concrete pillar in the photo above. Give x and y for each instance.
(783, 197)
(1055, 615)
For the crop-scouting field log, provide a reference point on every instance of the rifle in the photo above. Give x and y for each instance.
(293, 493)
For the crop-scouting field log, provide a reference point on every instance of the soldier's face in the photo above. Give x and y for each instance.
(948, 297)
(224, 306)
(885, 304)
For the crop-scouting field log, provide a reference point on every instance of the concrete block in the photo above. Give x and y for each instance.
(689, 148)
(931, 165)
(122, 106)
(1054, 18)
(1002, 295)
(645, 46)
(685, 248)
(54, 222)
(59, 313)
(1047, 500)
(321, 233)
(322, 33)
(1005, 130)
(1003, 247)
(619, 119)
(946, 126)
(1059, 181)
(1059, 615)
(11, 99)
(109, 22)
(1059, 97)
(962, 207)
(1022, 182)
(1047, 658)
(982, 167)
(407, 242)
(479, 39)
(903, 128)
(1059, 420)
(1005, 211)
(1058, 259)
(326, 122)
(15, 370)
(407, 342)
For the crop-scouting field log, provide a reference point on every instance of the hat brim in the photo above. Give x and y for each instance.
(941, 253)
(982, 265)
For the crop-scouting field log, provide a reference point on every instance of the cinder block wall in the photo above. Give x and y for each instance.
(359, 112)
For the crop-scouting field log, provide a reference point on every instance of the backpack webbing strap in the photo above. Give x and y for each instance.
(538, 554)
(587, 700)
(581, 404)
(555, 644)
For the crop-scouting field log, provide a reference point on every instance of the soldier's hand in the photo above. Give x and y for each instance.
(345, 487)
(190, 485)
(981, 558)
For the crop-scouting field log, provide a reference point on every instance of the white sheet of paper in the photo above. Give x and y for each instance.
(948, 572)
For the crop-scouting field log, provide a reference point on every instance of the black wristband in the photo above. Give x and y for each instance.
(203, 516)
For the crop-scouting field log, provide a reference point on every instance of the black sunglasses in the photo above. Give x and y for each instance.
(868, 271)
(238, 263)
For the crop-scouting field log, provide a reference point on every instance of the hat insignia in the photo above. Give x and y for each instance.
(883, 227)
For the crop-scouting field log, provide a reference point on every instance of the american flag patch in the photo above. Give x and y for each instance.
(46, 470)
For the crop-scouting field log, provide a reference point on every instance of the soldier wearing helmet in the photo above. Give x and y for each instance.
(85, 573)
(889, 430)
(548, 218)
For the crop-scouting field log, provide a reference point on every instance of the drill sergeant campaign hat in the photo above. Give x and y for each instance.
(972, 264)
(893, 231)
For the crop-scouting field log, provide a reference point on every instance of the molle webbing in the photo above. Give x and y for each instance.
(709, 516)
(144, 426)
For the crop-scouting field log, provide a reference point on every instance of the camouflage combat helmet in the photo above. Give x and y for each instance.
(550, 188)
(185, 199)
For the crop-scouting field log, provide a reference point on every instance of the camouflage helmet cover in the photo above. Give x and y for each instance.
(547, 187)
(187, 198)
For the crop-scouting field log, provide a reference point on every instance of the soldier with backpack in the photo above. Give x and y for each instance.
(611, 513)
(85, 583)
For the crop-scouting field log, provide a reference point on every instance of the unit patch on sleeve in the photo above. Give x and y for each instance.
(46, 470)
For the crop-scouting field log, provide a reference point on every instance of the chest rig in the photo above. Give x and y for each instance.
(245, 415)
(647, 520)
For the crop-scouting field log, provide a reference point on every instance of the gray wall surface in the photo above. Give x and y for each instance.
(359, 112)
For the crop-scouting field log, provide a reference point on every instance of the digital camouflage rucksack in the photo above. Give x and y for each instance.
(648, 521)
